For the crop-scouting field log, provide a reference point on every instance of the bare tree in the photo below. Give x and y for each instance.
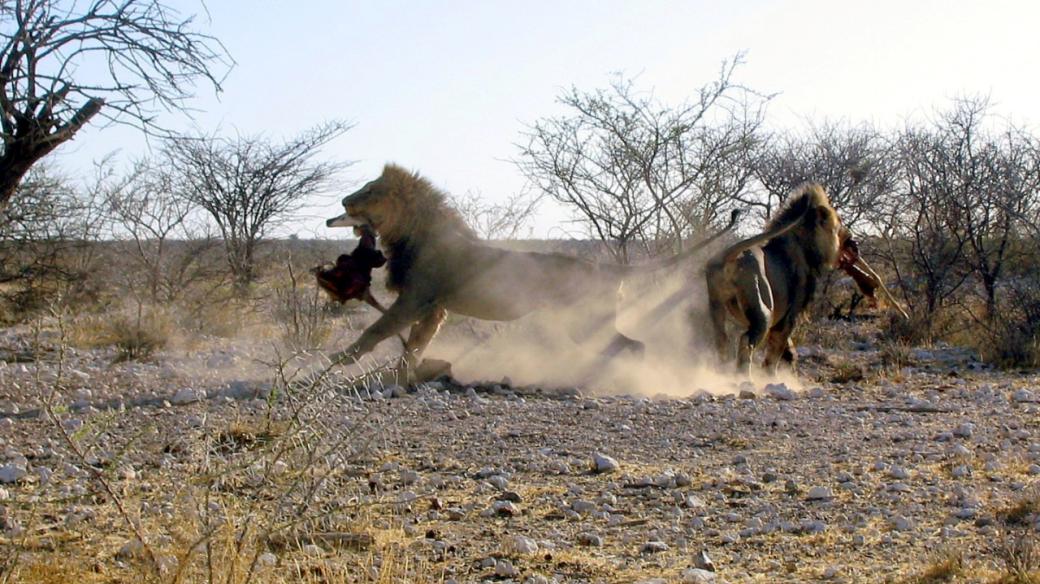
(999, 182)
(492, 220)
(166, 245)
(48, 242)
(639, 171)
(250, 185)
(852, 162)
(63, 62)
(927, 215)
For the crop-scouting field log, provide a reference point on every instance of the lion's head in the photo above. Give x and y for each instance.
(398, 205)
(820, 229)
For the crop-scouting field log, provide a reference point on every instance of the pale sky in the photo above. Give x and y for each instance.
(446, 87)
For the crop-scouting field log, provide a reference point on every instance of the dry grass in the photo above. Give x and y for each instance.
(136, 336)
(1021, 512)
(1021, 559)
(948, 566)
(848, 372)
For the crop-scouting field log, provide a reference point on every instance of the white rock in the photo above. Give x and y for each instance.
(901, 523)
(1023, 396)
(603, 463)
(780, 391)
(186, 395)
(590, 539)
(505, 508)
(702, 561)
(504, 569)
(12, 473)
(267, 559)
(898, 472)
(72, 425)
(697, 576)
(582, 506)
(130, 550)
(820, 493)
(812, 526)
(653, 547)
(519, 544)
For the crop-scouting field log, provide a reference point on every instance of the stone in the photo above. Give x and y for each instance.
(819, 493)
(267, 559)
(901, 523)
(780, 392)
(898, 472)
(504, 569)
(186, 395)
(602, 463)
(703, 562)
(505, 509)
(1023, 396)
(12, 473)
(519, 544)
(582, 506)
(697, 576)
(132, 549)
(590, 539)
(654, 547)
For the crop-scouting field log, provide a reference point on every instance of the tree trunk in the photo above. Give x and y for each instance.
(31, 142)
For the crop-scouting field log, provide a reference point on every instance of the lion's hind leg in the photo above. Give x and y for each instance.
(755, 302)
(622, 343)
(779, 350)
(595, 323)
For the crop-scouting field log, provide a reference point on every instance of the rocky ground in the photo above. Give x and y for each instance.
(875, 472)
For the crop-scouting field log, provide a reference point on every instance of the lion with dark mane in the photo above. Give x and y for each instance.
(437, 264)
(766, 281)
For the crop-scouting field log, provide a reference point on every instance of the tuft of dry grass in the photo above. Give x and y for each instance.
(948, 566)
(301, 312)
(1020, 557)
(848, 372)
(135, 337)
(1021, 512)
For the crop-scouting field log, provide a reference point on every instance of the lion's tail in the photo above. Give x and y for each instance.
(683, 255)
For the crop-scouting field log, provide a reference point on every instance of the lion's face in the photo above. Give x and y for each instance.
(830, 235)
(371, 205)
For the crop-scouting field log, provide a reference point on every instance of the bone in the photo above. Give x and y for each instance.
(862, 265)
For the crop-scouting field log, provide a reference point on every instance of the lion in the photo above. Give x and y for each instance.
(766, 281)
(437, 264)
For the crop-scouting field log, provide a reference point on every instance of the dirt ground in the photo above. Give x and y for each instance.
(221, 463)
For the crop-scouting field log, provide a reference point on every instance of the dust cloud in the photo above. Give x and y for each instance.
(666, 312)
